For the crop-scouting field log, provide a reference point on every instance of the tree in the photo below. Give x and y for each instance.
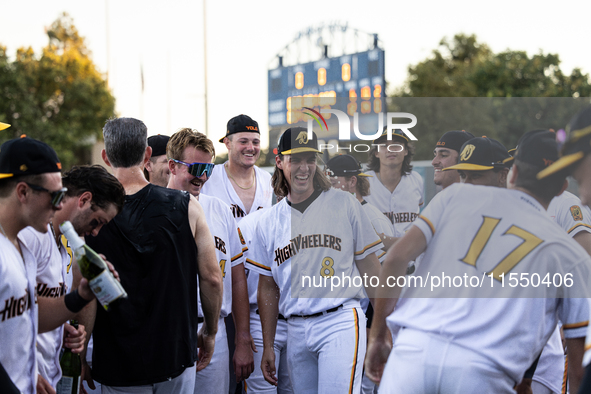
(58, 97)
(523, 92)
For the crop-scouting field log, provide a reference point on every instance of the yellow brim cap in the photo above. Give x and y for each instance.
(469, 167)
(4, 126)
(561, 164)
(299, 150)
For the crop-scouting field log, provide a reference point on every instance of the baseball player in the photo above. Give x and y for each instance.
(156, 169)
(191, 154)
(575, 160)
(469, 344)
(548, 375)
(93, 198)
(30, 193)
(446, 154)
(316, 232)
(396, 190)
(238, 182)
(256, 381)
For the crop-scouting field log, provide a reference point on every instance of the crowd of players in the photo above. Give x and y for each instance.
(213, 270)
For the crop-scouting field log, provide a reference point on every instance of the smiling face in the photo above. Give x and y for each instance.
(40, 211)
(244, 148)
(299, 170)
(158, 169)
(444, 158)
(180, 177)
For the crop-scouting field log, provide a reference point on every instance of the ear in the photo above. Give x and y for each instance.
(21, 192)
(148, 166)
(353, 181)
(503, 177)
(277, 161)
(227, 143)
(512, 177)
(172, 167)
(105, 158)
(147, 154)
(84, 198)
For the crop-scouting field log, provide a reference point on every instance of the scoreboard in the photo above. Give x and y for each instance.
(358, 77)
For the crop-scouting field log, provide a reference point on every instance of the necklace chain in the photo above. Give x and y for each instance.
(236, 182)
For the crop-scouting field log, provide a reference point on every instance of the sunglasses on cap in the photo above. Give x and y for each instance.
(197, 169)
(56, 197)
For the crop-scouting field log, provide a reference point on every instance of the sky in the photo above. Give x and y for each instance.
(166, 40)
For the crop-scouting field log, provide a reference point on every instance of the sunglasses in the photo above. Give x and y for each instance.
(197, 169)
(56, 197)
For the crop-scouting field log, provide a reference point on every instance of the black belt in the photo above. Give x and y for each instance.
(336, 308)
(279, 316)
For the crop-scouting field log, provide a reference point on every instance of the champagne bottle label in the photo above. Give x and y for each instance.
(66, 386)
(106, 288)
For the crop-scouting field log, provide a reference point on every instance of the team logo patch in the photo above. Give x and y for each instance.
(241, 237)
(575, 210)
(302, 137)
(467, 152)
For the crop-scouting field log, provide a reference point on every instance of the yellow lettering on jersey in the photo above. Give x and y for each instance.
(480, 240)
(223, 267)
(530, 242)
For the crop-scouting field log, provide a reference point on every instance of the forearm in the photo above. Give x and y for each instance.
(211, 302)
(268, 301)
(575, 349)
(240, 305)
(52, 313)
(388, 241)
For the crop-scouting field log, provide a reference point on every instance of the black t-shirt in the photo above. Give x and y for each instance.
(152, 335)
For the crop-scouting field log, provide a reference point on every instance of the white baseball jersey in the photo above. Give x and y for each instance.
(302, 249)
(229, 251)
(219, 185)
(380, 223)
(248, 228)
(403, 205)
(573, 217)
(18, 315)
(470, 230)
(53, 281)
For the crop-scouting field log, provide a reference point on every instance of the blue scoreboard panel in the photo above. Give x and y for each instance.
(358, 77)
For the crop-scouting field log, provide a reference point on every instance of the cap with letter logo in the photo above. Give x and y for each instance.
(344, 165)
(295, 140)
(395, 133)
(241, 124)
(27, 156)
(576, 144)
(481, 154)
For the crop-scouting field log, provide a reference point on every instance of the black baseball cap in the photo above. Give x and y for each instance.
(240, 124)
(27, 156)
(538, 148)
(395, 133)
(454, 140)
(295, 140)
(481, 154)
(577, 144)
(344, 165)
(158, 144)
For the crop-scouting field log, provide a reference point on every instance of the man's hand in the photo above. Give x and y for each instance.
(268, 366)
(243, 357)
(86, 375)
(43, 386)
(375, 359)
(84, 288)
(74, 338)
(206, 345)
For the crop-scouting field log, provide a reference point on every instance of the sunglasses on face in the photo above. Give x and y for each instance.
(197, 169)
(56, 197)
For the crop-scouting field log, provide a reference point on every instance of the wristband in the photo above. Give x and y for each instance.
(74, 301)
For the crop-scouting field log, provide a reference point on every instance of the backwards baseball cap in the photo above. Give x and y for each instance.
(577, 144)
(536, 147)
(481, 154)
(27, 156)
(158, 144)
(454, 140)
(395, 133)
(240, 124)
(344, 165)
(295, 140)
(4, 126)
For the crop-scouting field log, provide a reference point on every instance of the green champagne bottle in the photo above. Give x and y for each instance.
(71, 370)
(103, 284)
